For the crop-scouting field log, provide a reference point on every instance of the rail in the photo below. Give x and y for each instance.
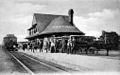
(37, 61)
(25, 67)
(47, 65)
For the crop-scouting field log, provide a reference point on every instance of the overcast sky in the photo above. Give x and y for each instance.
(90, 16)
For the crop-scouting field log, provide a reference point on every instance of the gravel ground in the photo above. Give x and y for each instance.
(5, 62)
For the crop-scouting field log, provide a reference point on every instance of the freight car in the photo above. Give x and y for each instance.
(10, 42)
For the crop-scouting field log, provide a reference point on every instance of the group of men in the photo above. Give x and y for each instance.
(51, 45)
(59, 45)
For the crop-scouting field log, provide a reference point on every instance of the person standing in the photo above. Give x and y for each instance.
(39, 44)
(57, 45)
(52, 47)
(45, 44)
(68, 47)
(33, 47)
(73, 45)
(63, 45)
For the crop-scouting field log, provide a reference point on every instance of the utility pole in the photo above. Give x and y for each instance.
(106, 45)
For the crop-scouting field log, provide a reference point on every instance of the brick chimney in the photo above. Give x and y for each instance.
(70, 13)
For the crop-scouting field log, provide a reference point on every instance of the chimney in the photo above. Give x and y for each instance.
(70, 13)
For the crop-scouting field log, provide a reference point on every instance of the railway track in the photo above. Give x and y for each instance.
(34, 66)
(22, 64)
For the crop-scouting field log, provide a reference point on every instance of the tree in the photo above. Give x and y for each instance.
(110, 40)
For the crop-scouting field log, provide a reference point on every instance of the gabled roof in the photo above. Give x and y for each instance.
(43, 20)
(61, 25)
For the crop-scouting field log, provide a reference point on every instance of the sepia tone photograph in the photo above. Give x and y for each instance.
(59, 37)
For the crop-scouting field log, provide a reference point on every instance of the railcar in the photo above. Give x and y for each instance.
(10, 42)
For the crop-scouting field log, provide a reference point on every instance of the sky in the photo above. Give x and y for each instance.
(90, 16)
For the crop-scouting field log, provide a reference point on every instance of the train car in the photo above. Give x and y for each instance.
(10, 42)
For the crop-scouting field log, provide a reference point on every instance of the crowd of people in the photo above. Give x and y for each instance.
(51, 45)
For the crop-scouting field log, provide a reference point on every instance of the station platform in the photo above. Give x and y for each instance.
(83, 63)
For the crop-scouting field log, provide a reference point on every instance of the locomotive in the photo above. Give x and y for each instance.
(10, 42)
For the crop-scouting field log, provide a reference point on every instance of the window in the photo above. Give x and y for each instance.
(30, 32)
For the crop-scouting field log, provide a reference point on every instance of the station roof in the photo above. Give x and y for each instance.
(61, 25)
(43, 20)
(50, 24)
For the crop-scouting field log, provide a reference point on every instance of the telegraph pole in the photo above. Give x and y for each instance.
(106, 45)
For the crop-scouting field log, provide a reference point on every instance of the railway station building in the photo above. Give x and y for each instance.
(48, 26)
